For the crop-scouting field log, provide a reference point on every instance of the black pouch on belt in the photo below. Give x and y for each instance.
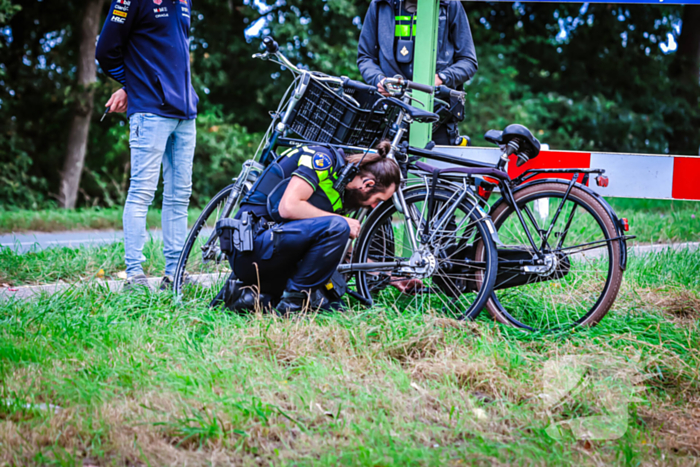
(236, 234)
(336, 286)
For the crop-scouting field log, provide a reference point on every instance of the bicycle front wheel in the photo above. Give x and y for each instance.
(579, 277)
(202, 264)
(444, 275)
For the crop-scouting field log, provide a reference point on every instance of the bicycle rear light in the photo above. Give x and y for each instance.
(484, 189)
(602, 181)
(625, 224)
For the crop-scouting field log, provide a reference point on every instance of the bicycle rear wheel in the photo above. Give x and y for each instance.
(581, 273)
(446, 281)
(202, 264)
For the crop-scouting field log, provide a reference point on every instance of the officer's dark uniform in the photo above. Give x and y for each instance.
(294, 255)
(386, 48)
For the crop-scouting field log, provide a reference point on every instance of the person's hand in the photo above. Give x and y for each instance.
(438, 81)
(118, 101)
(354, 227)
(382, 89)
(408, 286)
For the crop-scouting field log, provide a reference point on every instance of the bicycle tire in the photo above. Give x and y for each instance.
(443, 285)
(511, 315)
(193, 236)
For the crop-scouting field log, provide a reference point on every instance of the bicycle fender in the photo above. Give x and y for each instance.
(486, 219)
(616, 221)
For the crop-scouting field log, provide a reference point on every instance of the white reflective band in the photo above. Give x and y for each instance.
(634, 176)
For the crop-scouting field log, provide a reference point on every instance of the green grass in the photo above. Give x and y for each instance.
(72, 265)
(654, 221)
(56, 220)
(88, 376)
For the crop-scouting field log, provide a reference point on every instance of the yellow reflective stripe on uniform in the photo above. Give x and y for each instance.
(322, 175)
(404, 30)
(333, 196)
(306, 162)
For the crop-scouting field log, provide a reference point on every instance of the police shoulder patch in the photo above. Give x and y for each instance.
(322, 161)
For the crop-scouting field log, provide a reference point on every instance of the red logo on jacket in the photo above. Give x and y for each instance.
(157, 2)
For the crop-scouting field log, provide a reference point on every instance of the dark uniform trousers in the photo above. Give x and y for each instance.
(295, 255)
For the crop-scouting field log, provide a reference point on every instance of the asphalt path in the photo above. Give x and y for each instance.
(36, 241)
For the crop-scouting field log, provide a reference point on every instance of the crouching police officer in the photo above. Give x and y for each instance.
(296, 235)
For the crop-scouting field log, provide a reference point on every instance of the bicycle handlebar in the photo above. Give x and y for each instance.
(357, 85)
(400, 81)
(270, 45)
(419, 87)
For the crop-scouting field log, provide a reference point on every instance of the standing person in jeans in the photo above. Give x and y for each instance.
(144, 45)
(387, 48)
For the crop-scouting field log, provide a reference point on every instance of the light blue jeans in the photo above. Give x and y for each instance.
(153, 140)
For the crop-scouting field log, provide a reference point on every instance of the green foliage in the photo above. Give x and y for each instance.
(605, 84)
(17, 186)
(222, 147)
(7, 10)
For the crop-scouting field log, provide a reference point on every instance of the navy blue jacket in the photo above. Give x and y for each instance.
(456, 57)
(144, 45)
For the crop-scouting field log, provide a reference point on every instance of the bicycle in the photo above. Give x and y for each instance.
(424, 234)
(314, 98)
(561, 248)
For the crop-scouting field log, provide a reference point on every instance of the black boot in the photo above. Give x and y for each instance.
(235, 296)
(295, 302)
(292, 302)
(228, 294)
(249, 300)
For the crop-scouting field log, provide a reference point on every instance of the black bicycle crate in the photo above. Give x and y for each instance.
(323, 116)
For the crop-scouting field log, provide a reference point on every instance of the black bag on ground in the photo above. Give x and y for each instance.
(336, 287)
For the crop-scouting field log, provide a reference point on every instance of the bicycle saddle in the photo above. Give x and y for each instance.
(526, 145)
(416, 114)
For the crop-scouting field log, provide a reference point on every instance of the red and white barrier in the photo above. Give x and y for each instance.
(630, 175)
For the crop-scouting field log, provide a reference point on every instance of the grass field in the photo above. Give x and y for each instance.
(91, 377)
(56, 220)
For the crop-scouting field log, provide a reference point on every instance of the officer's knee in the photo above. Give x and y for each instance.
(338, 226)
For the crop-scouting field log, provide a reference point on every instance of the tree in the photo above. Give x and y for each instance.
(82, 107)
(687, 63)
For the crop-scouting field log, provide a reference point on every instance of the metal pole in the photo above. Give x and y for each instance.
(424, 58)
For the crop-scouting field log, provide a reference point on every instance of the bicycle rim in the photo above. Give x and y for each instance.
(448, 284)
(203, 267)
(580, 276)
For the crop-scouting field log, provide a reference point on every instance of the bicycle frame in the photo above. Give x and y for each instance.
(276, 136)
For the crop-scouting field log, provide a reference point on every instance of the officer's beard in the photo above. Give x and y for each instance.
(354, 198)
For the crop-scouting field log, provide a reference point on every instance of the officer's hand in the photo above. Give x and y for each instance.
(118, 102)
(354, 227)
(382, 90)
(438, 81)
(408, 286)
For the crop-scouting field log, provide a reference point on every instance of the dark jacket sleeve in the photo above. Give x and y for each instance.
(368, 48)
(465, 64)
(113, 39)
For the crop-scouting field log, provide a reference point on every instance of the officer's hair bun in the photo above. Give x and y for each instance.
(383, 148)
(385, 172)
